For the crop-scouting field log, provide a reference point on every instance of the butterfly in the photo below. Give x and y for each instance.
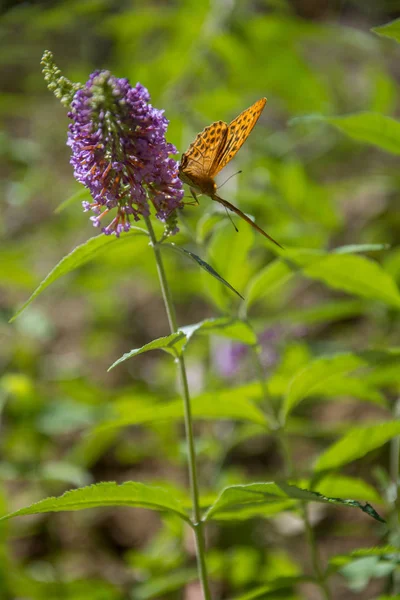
(211, 151)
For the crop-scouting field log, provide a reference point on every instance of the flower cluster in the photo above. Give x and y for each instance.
(120, 154)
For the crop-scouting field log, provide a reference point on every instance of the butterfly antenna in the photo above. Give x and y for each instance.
(230, 177)
(231, 220)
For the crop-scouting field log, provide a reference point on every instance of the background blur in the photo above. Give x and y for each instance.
(307, 186)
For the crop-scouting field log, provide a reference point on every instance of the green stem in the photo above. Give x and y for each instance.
(318, 572)
(197, 523)
(393, 520)
(263, 385)
(290, 472)
(273, 418)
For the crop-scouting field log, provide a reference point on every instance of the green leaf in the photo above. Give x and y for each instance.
(107, 494)
(267, 280)
(236, 496)
(315, 376)
(82, 194)
(390, 30)
(229, 251)
(234, 329)
(176, 342)
(348, 487)
(367, 127)
(206, 406)
(206, 224)
(202, 263)
(354, 386)
(359, 248)
(355, 275)
(275, 589)
(172, 344)
(357, 442)
(386, 552)
(164, 584)
(79, 256)
(323, 312)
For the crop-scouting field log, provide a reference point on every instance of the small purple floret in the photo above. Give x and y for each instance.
(119, 152)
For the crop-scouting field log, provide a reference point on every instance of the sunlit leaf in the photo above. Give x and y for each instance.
(229, 251)
(172, 344)
(267, 281)
(275, 589)
(106, 494)
(357, 442)
(82, 194)
(323, 312)
(315, 376)
(350, 385)
(236, 496)
(390, 30)
(336, 485)
(356, 275)
(360, 248)
(163, 584)
(367, 127)
(209, 406)
(203, 264)
(388, 552)
(234, 329)
(79, 256)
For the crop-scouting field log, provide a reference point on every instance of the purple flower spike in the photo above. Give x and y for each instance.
(119, 152)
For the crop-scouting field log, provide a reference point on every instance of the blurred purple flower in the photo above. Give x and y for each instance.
(119, 152)
(229, 356)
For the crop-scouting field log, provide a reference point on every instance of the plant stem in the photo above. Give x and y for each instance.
(272, 416)
(318, 572)
(393, 496)
(289, 472)
(194, 487)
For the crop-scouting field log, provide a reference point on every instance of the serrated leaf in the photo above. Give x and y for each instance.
(359, 248)
(106, 494)
(234, 329)
(79, 256)
(172, 344)
(367, 127)
(267, 280)
(203, 407)
(386, 552)
(175, 343)
(356, 275)
(357, 442)
(237, 496)
(390, 30)
(315, 375)
(251, 511)
(347, 487)
(278, 585)
(203, 264)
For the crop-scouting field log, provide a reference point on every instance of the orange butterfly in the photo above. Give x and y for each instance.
(211, 151)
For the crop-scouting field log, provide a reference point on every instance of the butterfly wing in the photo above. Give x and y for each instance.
(199, 157)
(238, 131)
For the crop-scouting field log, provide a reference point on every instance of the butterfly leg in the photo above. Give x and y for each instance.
(194, 195)
(196, 202)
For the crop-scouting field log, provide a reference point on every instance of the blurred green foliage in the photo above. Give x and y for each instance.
(316, 178)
